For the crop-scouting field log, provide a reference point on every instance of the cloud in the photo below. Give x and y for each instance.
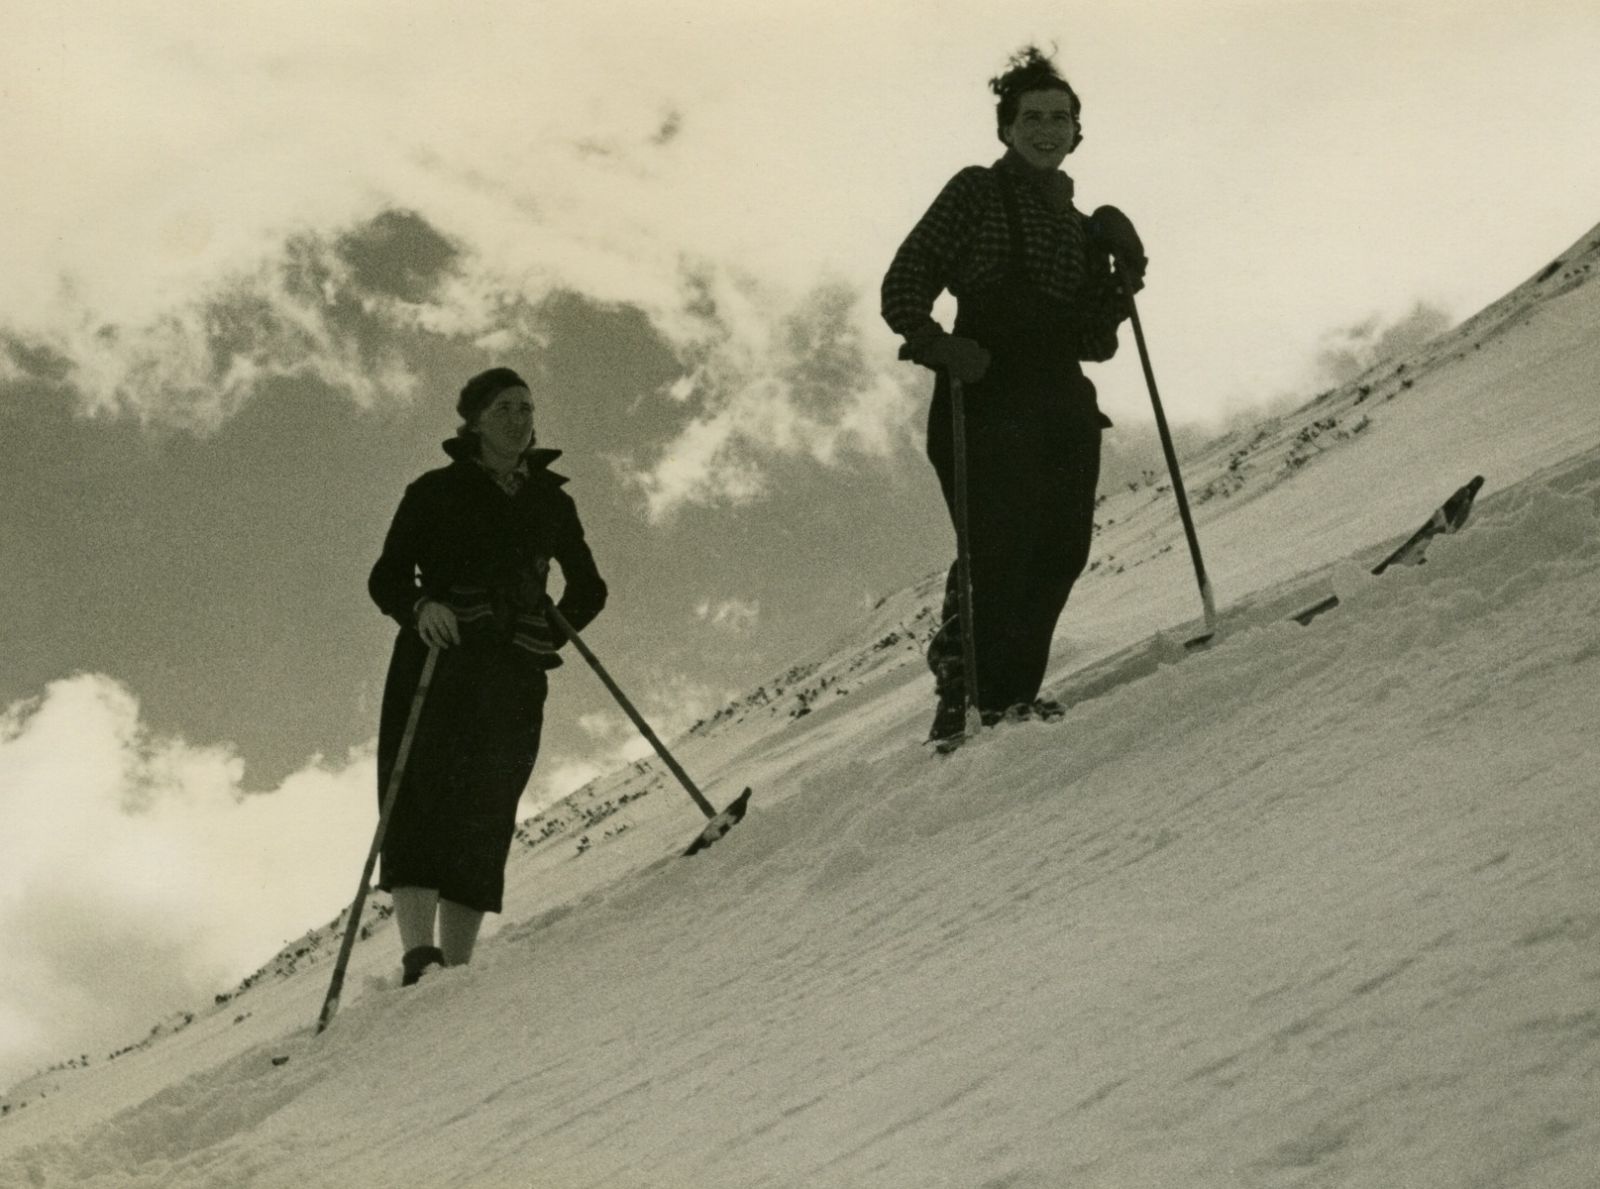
(560, 778)
(1348, 352)
(399, 255)
(734, 615)
(32, 360)
(358, 308)
(770, 380)
(174, 149)
(168, 884)
(235, 201)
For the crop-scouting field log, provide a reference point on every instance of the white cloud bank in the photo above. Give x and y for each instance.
(742, 174)
(175, 151)
(169, 885)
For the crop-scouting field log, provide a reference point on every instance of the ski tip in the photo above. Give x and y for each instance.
(721, 824)
(1200, 641)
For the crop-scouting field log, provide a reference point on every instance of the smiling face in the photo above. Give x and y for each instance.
(505, 426)
(1044, 129)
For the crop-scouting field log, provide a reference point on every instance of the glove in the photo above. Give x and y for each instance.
(1112, 231)
(963, 358)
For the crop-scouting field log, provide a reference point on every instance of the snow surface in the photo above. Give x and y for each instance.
(1314, 906)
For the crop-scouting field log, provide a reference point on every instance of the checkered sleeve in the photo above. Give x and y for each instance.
(1101, 307)
(926, 262)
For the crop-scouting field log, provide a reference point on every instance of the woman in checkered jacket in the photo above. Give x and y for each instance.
(1035, 295)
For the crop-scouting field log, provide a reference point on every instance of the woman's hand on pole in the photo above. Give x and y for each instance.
(437, 626)
(1113, 232)
(963, 358)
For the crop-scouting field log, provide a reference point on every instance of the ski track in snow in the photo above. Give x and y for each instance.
(1312, 907)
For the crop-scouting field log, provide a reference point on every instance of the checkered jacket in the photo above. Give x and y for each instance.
(962, 245)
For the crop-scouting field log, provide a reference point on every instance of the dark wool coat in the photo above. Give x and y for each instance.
(458, 537)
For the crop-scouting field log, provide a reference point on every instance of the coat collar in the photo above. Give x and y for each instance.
(465, 451)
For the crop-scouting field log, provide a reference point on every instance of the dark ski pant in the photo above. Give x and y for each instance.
(1033, 462)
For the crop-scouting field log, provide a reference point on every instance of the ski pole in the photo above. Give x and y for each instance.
(969, 646)
(330, 1004)
(718, 823)
(1208, 603)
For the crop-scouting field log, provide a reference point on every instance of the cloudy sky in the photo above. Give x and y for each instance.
(251, 251)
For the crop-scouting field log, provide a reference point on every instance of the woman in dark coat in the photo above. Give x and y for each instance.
(1035, 294)
(464, 570)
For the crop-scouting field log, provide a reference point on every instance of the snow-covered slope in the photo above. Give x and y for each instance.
(1317, 905)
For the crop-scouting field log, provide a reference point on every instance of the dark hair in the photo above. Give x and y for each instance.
(1030, 69)
(480, 391)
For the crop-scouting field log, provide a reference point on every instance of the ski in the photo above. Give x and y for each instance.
(1146, 656)
(1449, 517)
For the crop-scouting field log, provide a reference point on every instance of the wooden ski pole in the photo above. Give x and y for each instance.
(1207, 601)
(330, 1003)
(718, 823)
(969, 646)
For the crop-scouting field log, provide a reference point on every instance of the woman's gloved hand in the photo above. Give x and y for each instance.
(1112, 231)
(963, 358)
